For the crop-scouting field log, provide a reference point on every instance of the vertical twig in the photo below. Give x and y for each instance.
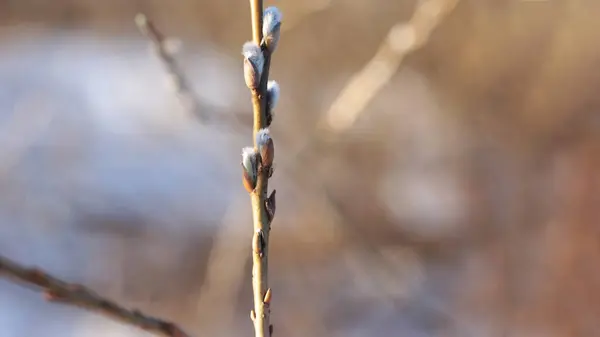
(256, 12)
(257, 160)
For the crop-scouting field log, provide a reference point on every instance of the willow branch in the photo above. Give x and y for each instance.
(257, 161)
(183, 87)
(59, 291)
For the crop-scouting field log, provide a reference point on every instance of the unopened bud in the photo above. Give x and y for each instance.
(272, 99)
(271, 206)
(264, 142)
(254, 61)
(250, 166)
(258, 243)
(267, 298)
(271, 28)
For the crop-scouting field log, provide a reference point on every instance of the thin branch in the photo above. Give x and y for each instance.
(401, 40)
(257, 161)
(182, 86)
(30, 119)
(226, 268)
(59, 291)
(258, 198)
(303, 10)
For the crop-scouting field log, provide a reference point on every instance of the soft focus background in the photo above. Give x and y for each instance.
(462, 200)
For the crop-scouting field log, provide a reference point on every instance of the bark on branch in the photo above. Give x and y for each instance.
(56, 290)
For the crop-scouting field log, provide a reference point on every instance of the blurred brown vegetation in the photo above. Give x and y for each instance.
(464, 202)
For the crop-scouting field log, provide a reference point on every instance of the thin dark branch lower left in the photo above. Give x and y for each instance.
(59, 291)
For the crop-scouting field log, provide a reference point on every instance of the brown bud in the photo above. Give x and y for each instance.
(249, 165)
(251, 76)
(268, 153)
(253, 64)
(265, 147)
(270, 329)
(270, 205)
(267, 298)
(258, 243)
(249, 183)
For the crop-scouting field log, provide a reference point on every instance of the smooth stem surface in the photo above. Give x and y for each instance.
(256, 10)
(260, 263)
(260, 283)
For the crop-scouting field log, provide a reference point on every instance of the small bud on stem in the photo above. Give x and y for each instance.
(265, 147)
(273, 92)
(259, 243)
(271, 28)
(271, 205)
(250, 166)
(258, 161)
(267, 298)
(254, 61)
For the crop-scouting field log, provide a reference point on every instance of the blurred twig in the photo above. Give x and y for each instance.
(401, 40)
(302, 11)
(59, 291)
(225, 268)
(182, 86)
(26, 125)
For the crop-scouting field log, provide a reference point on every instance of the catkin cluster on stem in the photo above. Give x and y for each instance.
(257, 161)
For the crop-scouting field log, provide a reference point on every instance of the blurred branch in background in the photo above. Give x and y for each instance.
(226, 266)
(302, 12)
(183, 87)
(28, 121)
(59, 291)
(401, 40)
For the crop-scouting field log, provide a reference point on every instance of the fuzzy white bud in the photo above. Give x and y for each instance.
(265, 147)
(272, 99)
(271, 28)
(250, 165)
(262, 137)
(254, 61)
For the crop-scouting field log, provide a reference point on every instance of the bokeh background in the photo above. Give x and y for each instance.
(462, 200)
